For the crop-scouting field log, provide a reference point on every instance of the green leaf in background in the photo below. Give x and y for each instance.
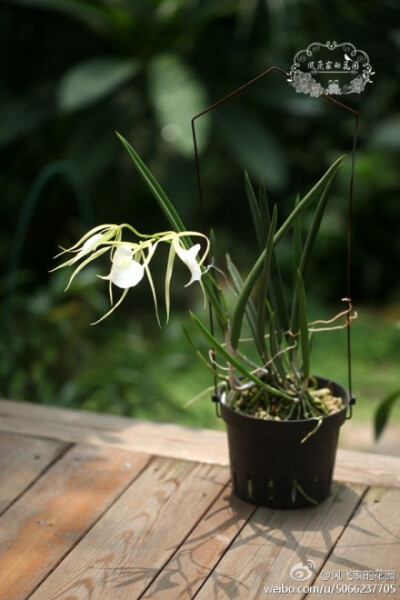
(91, 80)
(386, 134)
(94, 16)
(253, 145)
(19, 118)
(383, 411)
(178, 95)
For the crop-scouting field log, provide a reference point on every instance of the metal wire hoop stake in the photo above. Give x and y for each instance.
(349, 210)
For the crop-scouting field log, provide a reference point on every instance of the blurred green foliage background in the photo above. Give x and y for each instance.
(73, 72)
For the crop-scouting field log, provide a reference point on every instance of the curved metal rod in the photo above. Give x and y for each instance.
(341, 105)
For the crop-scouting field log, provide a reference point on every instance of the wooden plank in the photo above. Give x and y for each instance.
(368, 469)
(49, 519)
(174, 441)
(22, 460)
(129, 545)
(368, 553)
(161, 439)
(196, 558)
(273, 542)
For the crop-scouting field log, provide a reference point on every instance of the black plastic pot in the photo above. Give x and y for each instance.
(270, 466)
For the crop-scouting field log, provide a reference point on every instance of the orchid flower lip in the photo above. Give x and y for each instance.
(126, 272)
(188, 257)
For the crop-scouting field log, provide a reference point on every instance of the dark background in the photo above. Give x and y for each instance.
(73, 72)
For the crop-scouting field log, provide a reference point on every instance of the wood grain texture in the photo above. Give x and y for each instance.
(161, 439)
(274, 542)
(164, 439)
(193, 562)
(368, 469)
(370, 544)
(128, 547)
(22, 460)
(49, 519)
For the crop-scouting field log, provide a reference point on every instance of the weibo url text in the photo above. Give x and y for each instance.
(330, 589)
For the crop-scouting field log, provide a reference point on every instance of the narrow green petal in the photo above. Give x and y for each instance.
(124, 293)
(85, 237)
(168, 275)
(86, 262)
(153, 291)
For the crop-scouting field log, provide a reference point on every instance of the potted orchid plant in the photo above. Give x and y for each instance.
(282, 420)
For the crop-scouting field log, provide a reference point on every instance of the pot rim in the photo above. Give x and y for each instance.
(221, 398)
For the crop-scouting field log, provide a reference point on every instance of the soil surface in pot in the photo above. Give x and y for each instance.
(318, 403)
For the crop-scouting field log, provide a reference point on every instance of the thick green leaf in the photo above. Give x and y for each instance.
(264, 284)
(174, 219)
(277, 295)
(308, 247)
(155, 188)
(206, 363)
(277, 299)
(214, 283)
(383, 411)
(177, 95)
(249, 283)
(277, 359)
(329, 175)
(92, 80)
(259, 227)
(264, 211)
(250, 312)
(303, 325)
(297, 244)
(234, 361)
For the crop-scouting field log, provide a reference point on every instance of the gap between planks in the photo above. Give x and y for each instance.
(50, 518)
(22, 461)
(128, 547)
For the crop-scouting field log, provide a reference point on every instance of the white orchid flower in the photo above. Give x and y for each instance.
(90, 242)
(89, 246)
(126, 272)
(188, 257)
(130, 260)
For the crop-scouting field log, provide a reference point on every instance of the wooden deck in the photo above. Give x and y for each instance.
(95, 507)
